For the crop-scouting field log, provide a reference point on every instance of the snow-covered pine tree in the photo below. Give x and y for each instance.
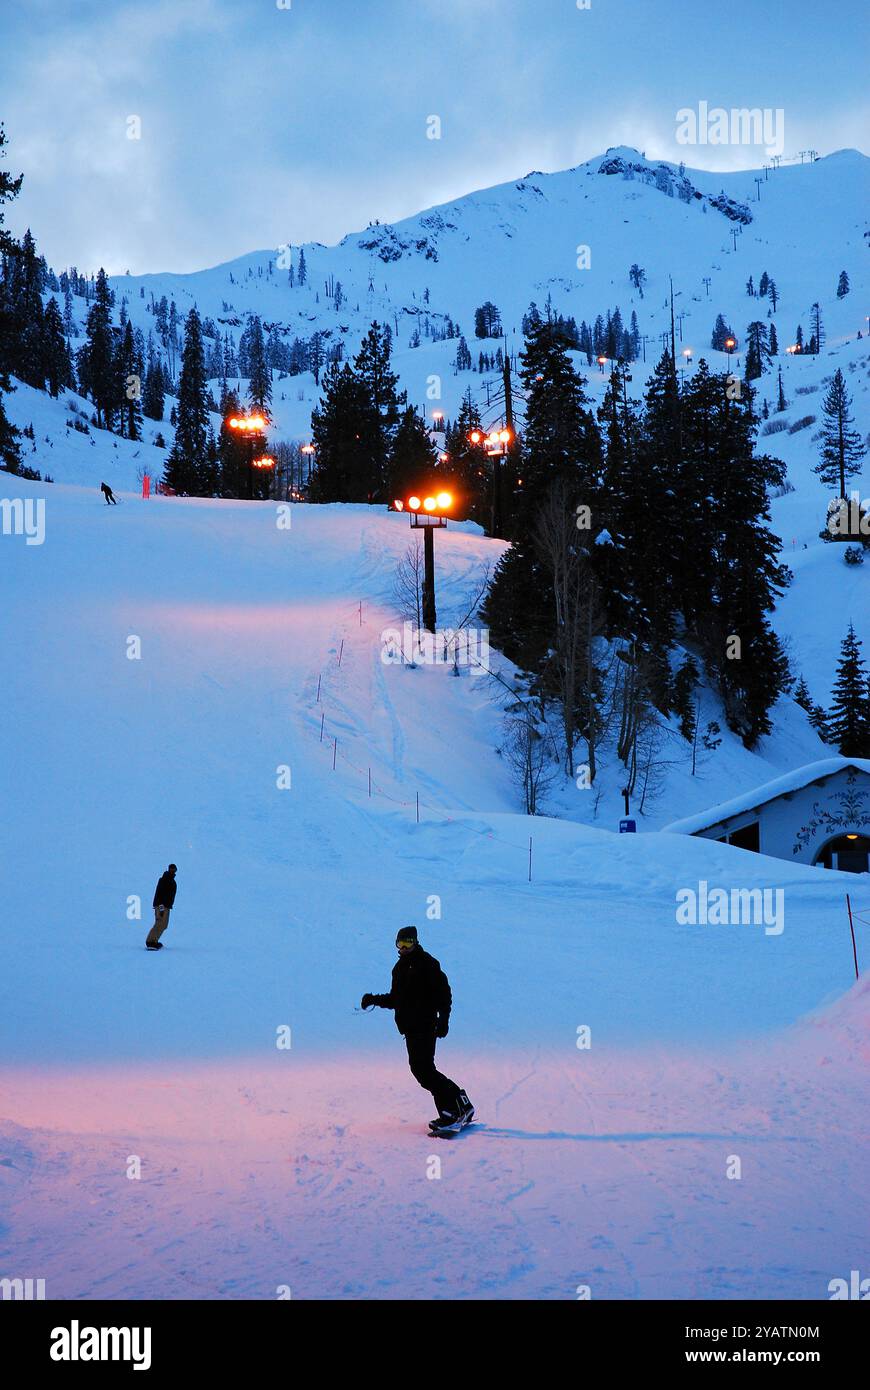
(842, 447)
(848, 725)
(259, 374)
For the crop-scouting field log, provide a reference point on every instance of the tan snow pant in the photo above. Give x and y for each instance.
(161, 922)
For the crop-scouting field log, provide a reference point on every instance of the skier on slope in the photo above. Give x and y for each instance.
(164, 897)
(420, 996)
(108, 494)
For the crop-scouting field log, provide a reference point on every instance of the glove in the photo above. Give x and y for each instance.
(441, 1028)
(367, 1001)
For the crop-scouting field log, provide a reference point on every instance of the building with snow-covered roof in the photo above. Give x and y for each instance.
(816, 814)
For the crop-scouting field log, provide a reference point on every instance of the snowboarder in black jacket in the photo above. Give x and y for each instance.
(164, 897)
(421, 1000)
(108, 494)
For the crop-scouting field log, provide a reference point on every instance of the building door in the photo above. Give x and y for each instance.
(848, 853)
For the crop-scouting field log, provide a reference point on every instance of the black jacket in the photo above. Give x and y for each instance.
(419, 994)
(164, 893)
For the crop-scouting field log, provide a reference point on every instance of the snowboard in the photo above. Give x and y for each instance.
(446, 1131)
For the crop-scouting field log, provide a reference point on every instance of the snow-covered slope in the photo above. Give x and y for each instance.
(309, 1166)
(518, 242)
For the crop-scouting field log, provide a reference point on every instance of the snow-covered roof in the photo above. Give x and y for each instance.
(792, 781)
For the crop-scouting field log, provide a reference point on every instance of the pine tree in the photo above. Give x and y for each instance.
(98, 354)
(849, 716)
(802, 696)
(842, 447)
(819, 721)
(843, 286)
(685, 683)
(373, 369)
(721, 332)
(187, 463)
(817, 329)
(748, 575)
(26, 276)
(773, 342)
(9, 435)
(763, 285)
(259, 374)
(462, 362)
(342, 427)
(634, 338)
(69, 323)
(561, 451)
(637, 276)
(412, 455)
(487, 321)
(664, 488)
(153, 391)
(303, 268)
(757, 349)
(560, 439)
(129, 368)
(56, 364)
(232, 452)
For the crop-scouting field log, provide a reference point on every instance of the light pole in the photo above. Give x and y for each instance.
(251, 428)
(496, 445)
(730, 344)
(427, 514)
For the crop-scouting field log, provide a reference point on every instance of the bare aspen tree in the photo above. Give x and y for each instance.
(408, 584)
(525, 750)
(578, 620)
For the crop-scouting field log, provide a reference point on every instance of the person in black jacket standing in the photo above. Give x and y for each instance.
(421, 999)
(164, 897)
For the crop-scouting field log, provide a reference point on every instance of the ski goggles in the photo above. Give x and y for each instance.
(405, 945)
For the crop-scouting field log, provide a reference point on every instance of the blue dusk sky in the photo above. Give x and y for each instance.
(262, 122)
